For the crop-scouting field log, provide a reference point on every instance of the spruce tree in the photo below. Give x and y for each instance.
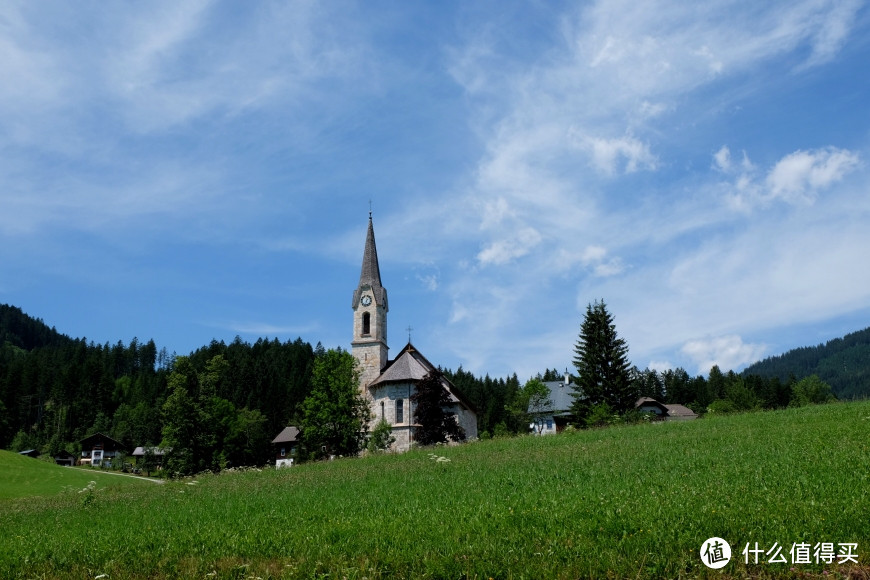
(602, 363)
(435, 425)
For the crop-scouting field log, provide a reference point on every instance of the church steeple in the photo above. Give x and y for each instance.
(370, 308)
(370, 273)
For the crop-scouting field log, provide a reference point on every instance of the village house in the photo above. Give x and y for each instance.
(99, 450)
(665, 412)
(555, 413)
(285, 446)
(157, 453)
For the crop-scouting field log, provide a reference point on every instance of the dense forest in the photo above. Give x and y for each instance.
(56, 390)
(843, 363)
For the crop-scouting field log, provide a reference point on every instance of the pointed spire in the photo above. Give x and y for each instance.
(370, 274)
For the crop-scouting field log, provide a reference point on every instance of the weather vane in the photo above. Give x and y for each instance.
(409, 329)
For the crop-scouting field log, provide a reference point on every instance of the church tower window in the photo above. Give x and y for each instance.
(400, 411)
(366, 323)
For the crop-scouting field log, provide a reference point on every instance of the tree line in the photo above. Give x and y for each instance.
(218, 407)
(226, 401)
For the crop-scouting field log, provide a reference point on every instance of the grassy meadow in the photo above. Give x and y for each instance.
(22, 476)
(623, 502)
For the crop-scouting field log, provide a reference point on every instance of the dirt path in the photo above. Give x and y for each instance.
(151, 479)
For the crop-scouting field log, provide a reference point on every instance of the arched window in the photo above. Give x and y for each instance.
(400, 411)
(367, 323)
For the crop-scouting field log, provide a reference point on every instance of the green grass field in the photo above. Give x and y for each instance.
(627, 502)
(26, 477)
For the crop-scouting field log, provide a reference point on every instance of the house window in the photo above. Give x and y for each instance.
(283, 451)
(382, 410)
(549, 424)
(400, 411)
(367, 323)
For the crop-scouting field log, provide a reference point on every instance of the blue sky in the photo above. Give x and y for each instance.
(189, 171)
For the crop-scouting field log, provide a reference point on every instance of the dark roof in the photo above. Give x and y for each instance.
(91, 439)
(667, 410)
(287, 435)
(561, 398)
(30, 452)
(370, 273)
(650, 401)
(410, 366)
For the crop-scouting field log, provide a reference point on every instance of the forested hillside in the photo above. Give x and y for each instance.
(55, 390)
(843, 363)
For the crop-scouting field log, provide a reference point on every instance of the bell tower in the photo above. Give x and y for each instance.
(369, 345)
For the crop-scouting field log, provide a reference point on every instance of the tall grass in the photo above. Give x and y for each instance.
(622, 502)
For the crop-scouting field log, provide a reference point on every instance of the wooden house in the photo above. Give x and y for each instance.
(285, 445)
(99, 450)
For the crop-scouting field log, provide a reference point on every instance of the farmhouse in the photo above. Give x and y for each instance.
(99, 449)
(285, 446)
(389, 384)
(554, 414)
(157, 453)
(665, 412)
(64, 457)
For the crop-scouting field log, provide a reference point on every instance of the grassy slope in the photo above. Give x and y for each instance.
(27, 477)
(621, 502)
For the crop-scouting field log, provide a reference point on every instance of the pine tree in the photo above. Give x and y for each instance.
(436, 425)
(602, 363)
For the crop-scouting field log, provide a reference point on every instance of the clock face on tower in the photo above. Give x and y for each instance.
(366, 300)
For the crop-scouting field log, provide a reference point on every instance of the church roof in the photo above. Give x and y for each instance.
(410, 366)
(370, 273)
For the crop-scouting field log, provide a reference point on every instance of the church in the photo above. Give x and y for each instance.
(387, 384)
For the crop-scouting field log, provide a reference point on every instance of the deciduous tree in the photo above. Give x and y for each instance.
(334, 415)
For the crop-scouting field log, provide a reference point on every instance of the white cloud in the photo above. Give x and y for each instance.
(507, 249)
(430, 281)
(660, 365)
(722, 159)
(801, 175)
(728, 352)
(609, 155)
(797, 178)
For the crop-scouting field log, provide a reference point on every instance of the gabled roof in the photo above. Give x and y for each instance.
(651, 402)
(370, 273)
(667, 410)
(289, 434)
(562, 397)
(410, 366)
(91, 439)
(680, 411)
